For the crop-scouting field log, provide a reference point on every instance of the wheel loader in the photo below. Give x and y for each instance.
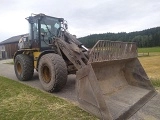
(110, 81)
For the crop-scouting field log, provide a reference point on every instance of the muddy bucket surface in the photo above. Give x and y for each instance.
(113, 86)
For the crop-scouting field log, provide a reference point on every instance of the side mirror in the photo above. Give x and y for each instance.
(66, 26)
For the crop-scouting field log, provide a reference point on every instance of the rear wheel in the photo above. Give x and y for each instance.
(52, 72)
(23, 66)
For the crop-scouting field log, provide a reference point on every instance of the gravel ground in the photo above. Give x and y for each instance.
(151, 111)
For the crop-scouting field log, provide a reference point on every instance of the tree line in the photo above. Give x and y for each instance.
(146, 38)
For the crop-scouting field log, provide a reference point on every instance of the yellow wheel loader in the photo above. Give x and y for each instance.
(110, 81)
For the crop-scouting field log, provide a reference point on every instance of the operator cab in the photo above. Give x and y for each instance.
(43, 29)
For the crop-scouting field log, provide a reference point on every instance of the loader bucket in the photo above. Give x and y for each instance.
(113, 85)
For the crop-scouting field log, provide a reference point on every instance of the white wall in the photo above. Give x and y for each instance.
(2, 48)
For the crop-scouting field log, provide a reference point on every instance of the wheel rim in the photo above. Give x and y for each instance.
(46, 74)
(19, 68)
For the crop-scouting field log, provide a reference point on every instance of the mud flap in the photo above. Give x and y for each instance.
(113, 87)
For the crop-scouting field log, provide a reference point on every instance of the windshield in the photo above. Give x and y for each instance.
(50, 26)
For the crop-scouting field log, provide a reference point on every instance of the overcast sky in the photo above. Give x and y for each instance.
(84, 16)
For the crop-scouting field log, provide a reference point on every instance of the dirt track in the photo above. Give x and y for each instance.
(151, 111)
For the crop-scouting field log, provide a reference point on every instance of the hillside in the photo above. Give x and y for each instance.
(146, 38)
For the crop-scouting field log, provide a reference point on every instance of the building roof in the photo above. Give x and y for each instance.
(12, 39)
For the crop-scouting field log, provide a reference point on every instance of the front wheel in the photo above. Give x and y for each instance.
(24, 67)
(52, 72)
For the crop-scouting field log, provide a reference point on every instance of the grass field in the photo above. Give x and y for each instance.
(21, 102)
(151, 64)
(151, 49)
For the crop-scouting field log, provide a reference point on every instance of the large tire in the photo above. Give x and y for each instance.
(52, 72)
(24, 67)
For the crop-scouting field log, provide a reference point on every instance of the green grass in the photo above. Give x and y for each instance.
(155, 82)
(18, 101)
(150, 49)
